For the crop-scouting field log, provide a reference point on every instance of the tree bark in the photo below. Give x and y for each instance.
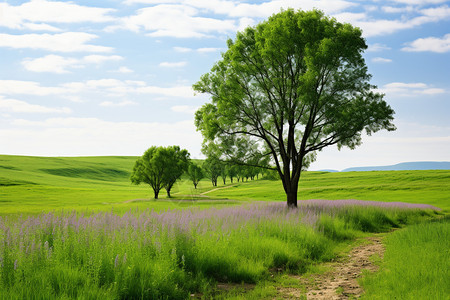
(156, 192)
(292, 198)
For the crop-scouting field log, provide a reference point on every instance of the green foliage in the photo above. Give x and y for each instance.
(288, 87)
(160, 167)
(195, 174)
(213, 167)
(416, 264)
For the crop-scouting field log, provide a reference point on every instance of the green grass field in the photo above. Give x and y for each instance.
(41, 184)
(67, 223)
(416, 264)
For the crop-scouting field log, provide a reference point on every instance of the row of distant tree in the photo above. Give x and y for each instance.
(161, 167)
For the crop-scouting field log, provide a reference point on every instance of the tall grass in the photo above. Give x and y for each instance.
(171, 254)
(416, 264)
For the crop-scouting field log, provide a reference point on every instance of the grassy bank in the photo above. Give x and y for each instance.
(172, 254)
(416, 264)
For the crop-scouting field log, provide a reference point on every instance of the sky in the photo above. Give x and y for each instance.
(114, 77)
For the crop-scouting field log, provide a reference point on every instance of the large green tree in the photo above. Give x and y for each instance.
(292, 85)
(160, 167)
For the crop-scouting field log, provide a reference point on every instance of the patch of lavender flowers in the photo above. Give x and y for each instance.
(165, 254)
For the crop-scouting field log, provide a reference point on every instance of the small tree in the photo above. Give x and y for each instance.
(224, 171)
(212, 167)
(233, 171)
(177, 163)
(160, 167)
(195, 174)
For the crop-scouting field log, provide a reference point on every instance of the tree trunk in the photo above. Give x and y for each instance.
(291, 189)
(168, 193)
(292, 199)
(156, 192)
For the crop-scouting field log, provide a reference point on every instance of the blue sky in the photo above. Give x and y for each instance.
(114, 77)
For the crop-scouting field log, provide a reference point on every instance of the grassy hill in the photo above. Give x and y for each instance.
(33, 184)
(36, 184)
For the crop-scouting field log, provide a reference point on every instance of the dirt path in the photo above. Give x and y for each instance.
(216, 189)
(341, 281)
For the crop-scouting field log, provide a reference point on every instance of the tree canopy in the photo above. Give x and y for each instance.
(160, 167)
(195, 174)
(289, 87)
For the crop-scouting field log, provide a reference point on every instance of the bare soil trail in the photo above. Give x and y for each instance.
(216, 189)
(341, 281)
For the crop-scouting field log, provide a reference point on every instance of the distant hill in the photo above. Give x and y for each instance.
(420, 165)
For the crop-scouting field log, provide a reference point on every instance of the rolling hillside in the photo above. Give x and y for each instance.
(36, 184)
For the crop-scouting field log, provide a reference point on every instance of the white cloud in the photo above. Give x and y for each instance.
(245, 22)
(350, 17)
(395, 10)
(183, 49)
(184, 18)
(184, 109)
(117, 104)
(18, 106)
(381, 60)
(382, 27)
(173, 64)
(10, 87)
(208, 50)
(410, 89)
(58, 64)
(118, 88)
(420, 2)
(93, 136)
(176, 91)
(178, 21)
(432, 91)
(41, 27)
(98, 59)
(199, 50)
(32, 14)
(437, 13)
(60, 42)
(430, 44)
(124, 69)
(378, 27)
(377, 47)
(266, 9)
(50, 63)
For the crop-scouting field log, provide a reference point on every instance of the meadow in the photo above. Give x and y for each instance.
(42, 184)
(76, 228)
